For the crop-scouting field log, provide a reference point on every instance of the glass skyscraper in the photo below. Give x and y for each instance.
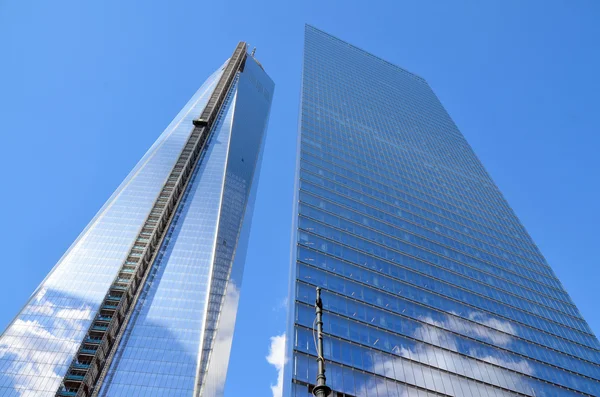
(144, 301)
(430, 284)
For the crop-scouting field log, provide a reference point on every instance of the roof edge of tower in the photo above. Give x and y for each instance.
(309, 26)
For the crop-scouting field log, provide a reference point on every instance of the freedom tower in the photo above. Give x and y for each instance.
(430, 284)
(144, 301)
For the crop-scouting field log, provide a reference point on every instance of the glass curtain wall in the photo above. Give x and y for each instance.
(178, 339)
(431, 285)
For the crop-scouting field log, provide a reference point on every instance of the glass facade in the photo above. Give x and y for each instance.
(178, 338)
(431, 285)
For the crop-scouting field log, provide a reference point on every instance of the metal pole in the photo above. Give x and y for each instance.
(321, 389)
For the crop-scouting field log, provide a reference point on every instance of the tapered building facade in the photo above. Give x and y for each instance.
(144, 301)
(430, 284)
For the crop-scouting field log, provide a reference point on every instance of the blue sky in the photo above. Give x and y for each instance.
(86, 87)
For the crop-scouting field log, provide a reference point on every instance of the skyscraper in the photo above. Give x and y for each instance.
(144, 301)
(430, 284)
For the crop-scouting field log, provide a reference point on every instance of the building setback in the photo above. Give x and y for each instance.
(144, 301)
(430, 284)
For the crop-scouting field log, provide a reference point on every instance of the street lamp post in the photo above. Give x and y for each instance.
(321, 389)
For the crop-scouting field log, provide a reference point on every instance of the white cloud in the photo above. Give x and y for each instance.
(27, 344)
(281, 304)
(276, 358)
(219, 358)
(495, 337)
(438, 338)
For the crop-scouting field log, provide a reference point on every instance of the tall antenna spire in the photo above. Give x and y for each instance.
(321, 389)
